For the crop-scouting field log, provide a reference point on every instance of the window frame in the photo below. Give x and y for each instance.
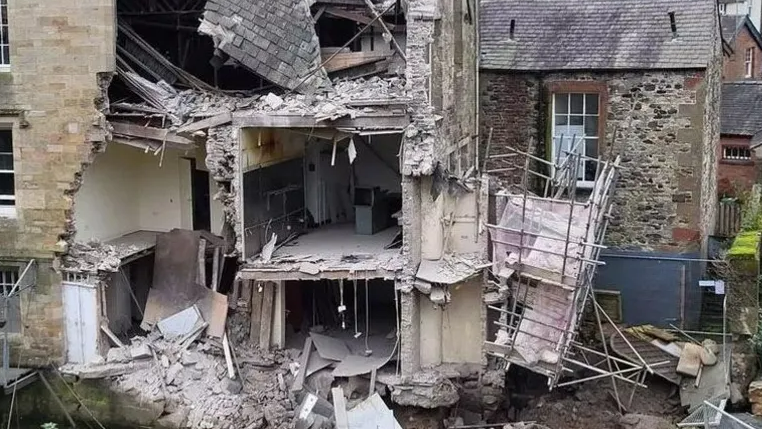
(9, 211)
(723, 8)
(577, 87)
(739, 158)
(5, 38)
(15, 312)
(748, 62)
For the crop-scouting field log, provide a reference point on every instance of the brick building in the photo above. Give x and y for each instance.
(741, 133)
(743, 58)
(638, 79)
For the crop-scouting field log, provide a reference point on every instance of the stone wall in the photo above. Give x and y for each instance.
(62, 57)
(655, 120)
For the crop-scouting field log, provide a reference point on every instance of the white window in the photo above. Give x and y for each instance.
(749, 62)
(723, 9)
(5, 47)
(12, 319)
(7, 175)
(575, 127)
(736, 153)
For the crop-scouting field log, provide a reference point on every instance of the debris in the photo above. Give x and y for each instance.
(309, 268)
(111, 336)
(439, 295)
(641, 421)
(266, 320)
(228, 356)
(707, 357)
(447, 270)
(356, 365)
(181, 323)
(173, 372)
(329, 347)
(303, 362)
(174, 283)
(352, 151)
(268, 248)
(690, 360)
(118, 355)
(755, 397)
(316, 363)
(648, 332)
(340, 408)
(273, 101)
(141, 351)
(371, 414)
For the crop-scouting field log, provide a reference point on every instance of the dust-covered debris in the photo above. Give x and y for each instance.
(92, 257)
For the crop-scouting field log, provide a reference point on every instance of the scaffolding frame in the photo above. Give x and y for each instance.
(545, 251)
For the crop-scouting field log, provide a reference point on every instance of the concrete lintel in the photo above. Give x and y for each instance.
(273, 274)
(359, 123)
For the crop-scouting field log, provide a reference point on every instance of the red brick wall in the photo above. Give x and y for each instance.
(734, 67)
(734, 176)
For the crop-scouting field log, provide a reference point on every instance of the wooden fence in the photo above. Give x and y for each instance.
(728, 219)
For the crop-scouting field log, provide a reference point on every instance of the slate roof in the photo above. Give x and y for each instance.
(276, 39)
(596, 34)
(732, 25)
(741, 108)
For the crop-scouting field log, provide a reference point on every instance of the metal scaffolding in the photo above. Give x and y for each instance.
(545, 252)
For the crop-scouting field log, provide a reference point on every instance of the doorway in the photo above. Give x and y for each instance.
(202, 217)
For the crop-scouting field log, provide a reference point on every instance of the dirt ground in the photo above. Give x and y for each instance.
(591, 405)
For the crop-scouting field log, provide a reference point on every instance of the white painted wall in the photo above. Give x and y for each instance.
(126, 190)
(452, 334)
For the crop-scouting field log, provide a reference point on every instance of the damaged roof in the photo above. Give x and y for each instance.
(740, 102)
(276, 39)
(596, 34)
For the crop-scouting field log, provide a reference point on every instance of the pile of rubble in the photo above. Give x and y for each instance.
(91, 257)
(184, 107)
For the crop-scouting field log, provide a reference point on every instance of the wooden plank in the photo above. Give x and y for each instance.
(233, 295)
(201, 279)
(372, 388)
(340, 407)
(211, 122)
(158, 134)
(112, 336)
(268, 301)
(228, 356)
(353, 59)
(245, 299)
(256, 314)
(303, 360)
(216, 269)
(357, 17)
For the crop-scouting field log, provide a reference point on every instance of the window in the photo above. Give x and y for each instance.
(723, 9)
(7, 176)
(736, 153)
(8, 278)
(575, 127)
(5, 47)
(749, 62)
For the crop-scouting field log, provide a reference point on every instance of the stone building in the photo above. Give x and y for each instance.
(644, 85)
(743, 49)
(55, 66)
(737, 170)
(313, 148)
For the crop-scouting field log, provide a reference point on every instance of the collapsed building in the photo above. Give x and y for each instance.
(291, 175)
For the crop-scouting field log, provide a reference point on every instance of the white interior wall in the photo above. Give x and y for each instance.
(105, 206)
(452, 334)
(126, 190)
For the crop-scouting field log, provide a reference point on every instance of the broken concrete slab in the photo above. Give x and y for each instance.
(371, 414)
(690, 360)
(141, 351)
(181, 323)
(118, 355)
(104, 370)
(356, 365)
(329, 347)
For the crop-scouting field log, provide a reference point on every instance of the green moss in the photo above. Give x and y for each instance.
(745, 244)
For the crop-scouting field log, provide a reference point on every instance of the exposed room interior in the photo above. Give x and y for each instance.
(362, 313)
(322, 193)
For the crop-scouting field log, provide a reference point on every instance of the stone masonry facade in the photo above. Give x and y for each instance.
(655, 120)
(62, 57)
